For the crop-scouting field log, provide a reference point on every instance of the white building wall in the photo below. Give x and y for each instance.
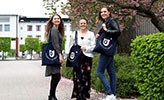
(23, 33)
(11, 20)
(19, 29)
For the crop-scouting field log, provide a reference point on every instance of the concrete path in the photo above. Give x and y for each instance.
(25, 80)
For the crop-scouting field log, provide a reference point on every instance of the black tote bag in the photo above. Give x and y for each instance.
(105, 45)
(49, 54)
(74, 54)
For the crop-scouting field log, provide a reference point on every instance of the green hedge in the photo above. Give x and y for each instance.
(125, 79)
(148, 55)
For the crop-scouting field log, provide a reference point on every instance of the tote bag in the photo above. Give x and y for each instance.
(74, 53)
(49, 54)
(105, 45)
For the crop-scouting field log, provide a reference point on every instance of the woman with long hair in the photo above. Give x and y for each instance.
(111, 28)
(55, 29)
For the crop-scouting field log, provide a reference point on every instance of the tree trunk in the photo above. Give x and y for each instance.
(159, 23)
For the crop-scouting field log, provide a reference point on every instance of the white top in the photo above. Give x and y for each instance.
(88, 42)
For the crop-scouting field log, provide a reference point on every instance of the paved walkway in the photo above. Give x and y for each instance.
(25, 80)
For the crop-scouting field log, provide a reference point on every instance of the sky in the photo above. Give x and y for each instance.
(28, 8)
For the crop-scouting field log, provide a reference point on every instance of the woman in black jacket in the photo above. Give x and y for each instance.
(111, 28)
(55, 28)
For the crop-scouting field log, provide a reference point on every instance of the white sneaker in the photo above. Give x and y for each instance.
(110, 97)
(114, 98)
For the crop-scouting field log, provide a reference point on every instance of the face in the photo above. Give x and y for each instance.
(83, 24)
(104, 13)
(56, 20)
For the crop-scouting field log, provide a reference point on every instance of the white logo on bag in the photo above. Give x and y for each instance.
(72, 55)
(51, 53)
(106, 42)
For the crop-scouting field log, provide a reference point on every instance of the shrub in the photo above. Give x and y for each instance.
(148, 55)
(125, 79)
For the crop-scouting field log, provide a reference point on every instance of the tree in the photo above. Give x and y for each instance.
(32, 44)
(22, 48)
(5, 45)
(123, 10)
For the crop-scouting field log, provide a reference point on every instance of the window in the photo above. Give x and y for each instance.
(38, 36)
(7, 27)
(29, 27)
(4, 19)
(38, 28)
(1, 27)
(29, 35)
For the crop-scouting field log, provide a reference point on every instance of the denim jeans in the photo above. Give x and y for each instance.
(107, 62)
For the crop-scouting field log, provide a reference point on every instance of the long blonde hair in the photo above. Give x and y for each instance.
(50, 25)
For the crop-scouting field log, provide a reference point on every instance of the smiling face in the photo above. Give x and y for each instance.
(56, 20)
(83, 24)
(104, 13)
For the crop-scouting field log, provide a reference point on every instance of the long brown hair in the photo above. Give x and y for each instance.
(50, 25)
(99, 18)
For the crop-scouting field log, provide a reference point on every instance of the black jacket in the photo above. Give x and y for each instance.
(113, 29)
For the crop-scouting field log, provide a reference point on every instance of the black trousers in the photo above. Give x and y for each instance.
(55, 78)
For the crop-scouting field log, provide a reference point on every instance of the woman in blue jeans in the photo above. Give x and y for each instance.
(111, 28)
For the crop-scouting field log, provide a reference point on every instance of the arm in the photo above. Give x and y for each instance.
(92, 44)
(55, 39)
(112, 28)
(56, 43)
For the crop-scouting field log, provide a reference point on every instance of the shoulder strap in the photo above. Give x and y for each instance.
(76, 39)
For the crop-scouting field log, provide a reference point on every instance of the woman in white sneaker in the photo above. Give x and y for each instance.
(111, 28)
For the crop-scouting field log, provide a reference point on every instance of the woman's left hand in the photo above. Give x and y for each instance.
(104, 26)
(61, 58)
(83, 48)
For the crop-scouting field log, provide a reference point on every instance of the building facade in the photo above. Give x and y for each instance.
(19, 27)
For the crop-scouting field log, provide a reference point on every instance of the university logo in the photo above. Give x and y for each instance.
(72, 55)
(51, 53)
(106, 42)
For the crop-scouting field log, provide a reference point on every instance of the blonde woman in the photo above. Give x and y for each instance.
(81, 74)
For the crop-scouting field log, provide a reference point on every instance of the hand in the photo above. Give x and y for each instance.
(61, 58)
(104, 26)
(83, 48)
(97, 36)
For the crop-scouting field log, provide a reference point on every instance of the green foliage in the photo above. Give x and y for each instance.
(5, 44)
(125, 79)
(63, 43)
(148, 55)
(67, 71)
(31, 43)
(22, 47)
(11, 53)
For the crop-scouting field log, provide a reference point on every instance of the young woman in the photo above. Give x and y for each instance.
(81, 74)
(111, 28)
(55, 28)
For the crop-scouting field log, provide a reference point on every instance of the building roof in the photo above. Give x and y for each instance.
(39, 19)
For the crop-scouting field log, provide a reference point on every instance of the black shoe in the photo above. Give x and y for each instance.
(52, 98)
(81, 99)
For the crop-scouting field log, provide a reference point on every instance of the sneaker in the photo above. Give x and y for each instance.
(114, 98)
(110, 97)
